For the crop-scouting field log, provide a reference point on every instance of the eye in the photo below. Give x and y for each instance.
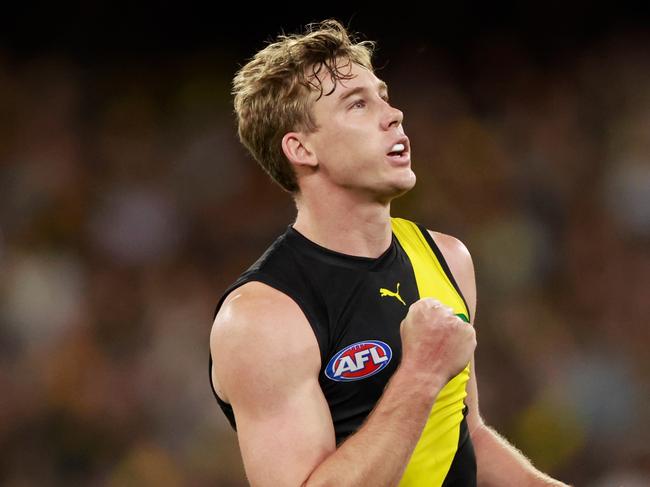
(360, 103)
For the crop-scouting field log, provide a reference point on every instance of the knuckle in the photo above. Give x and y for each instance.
(430, 302)
(418, 305)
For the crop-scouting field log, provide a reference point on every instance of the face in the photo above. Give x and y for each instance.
(358, 137)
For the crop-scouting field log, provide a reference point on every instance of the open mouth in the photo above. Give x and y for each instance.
(397, 150)
(399, 153)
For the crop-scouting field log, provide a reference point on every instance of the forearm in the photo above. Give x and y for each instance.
(501, 464)
(382, 447)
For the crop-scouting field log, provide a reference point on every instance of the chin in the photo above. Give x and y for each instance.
(402, 185)
(407, 181)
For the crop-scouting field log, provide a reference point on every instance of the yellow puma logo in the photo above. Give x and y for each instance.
(387, 292)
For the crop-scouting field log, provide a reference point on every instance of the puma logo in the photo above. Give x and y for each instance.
(387, 292)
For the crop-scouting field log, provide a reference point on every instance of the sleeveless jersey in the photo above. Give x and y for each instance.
(355, 306)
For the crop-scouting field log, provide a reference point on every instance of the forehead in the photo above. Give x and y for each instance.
(360, 77)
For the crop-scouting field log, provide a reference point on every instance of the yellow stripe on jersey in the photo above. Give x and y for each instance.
(438, 442)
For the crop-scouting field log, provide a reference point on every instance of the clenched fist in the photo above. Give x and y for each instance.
(433, 335)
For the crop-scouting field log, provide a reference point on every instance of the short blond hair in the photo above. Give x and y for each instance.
(271, 92)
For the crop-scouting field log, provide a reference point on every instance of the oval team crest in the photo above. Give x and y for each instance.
(359, 360)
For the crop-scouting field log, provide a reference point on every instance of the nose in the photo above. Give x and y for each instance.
(392, 117)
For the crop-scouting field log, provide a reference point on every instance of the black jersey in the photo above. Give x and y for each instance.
(355, 306)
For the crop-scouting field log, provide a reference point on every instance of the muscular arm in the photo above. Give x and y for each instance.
(267, 361)
(498, 462)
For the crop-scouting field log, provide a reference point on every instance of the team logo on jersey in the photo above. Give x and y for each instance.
(358, 361)
(394, 294)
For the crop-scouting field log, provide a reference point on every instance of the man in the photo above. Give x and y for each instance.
(344, 355)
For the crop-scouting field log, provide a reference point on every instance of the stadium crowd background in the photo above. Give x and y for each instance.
(127, 205)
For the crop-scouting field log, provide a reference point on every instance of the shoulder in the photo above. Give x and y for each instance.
(256, 311)
(454, 250)
(460, 264)
(257, 326)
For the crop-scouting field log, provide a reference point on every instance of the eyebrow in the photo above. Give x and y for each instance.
(381, 86)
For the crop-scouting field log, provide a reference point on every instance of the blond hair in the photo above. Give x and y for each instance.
(272, 91)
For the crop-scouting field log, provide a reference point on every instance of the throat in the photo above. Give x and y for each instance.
(348, 240)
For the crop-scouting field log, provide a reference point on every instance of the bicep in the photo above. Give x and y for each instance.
(474, 419)
(267, 361)
(283, 445)
(460, 263)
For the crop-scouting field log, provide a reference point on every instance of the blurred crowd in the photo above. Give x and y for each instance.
(127, 206)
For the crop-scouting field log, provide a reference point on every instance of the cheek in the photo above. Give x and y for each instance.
(338, 148)
(347, 153)
(355, 147)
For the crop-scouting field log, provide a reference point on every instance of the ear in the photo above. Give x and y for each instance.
(297, 150)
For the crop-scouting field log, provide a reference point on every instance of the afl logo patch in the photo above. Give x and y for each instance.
(358, 361)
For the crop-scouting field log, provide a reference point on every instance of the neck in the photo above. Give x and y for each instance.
(345, 223)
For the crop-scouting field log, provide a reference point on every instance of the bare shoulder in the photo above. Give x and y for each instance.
(257, 326)
(453, 249)
(266, 359)
(460, 264)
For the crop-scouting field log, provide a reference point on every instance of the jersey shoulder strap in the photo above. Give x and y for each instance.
(432, 274)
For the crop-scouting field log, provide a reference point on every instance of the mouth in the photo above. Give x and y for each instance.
(399, 152)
